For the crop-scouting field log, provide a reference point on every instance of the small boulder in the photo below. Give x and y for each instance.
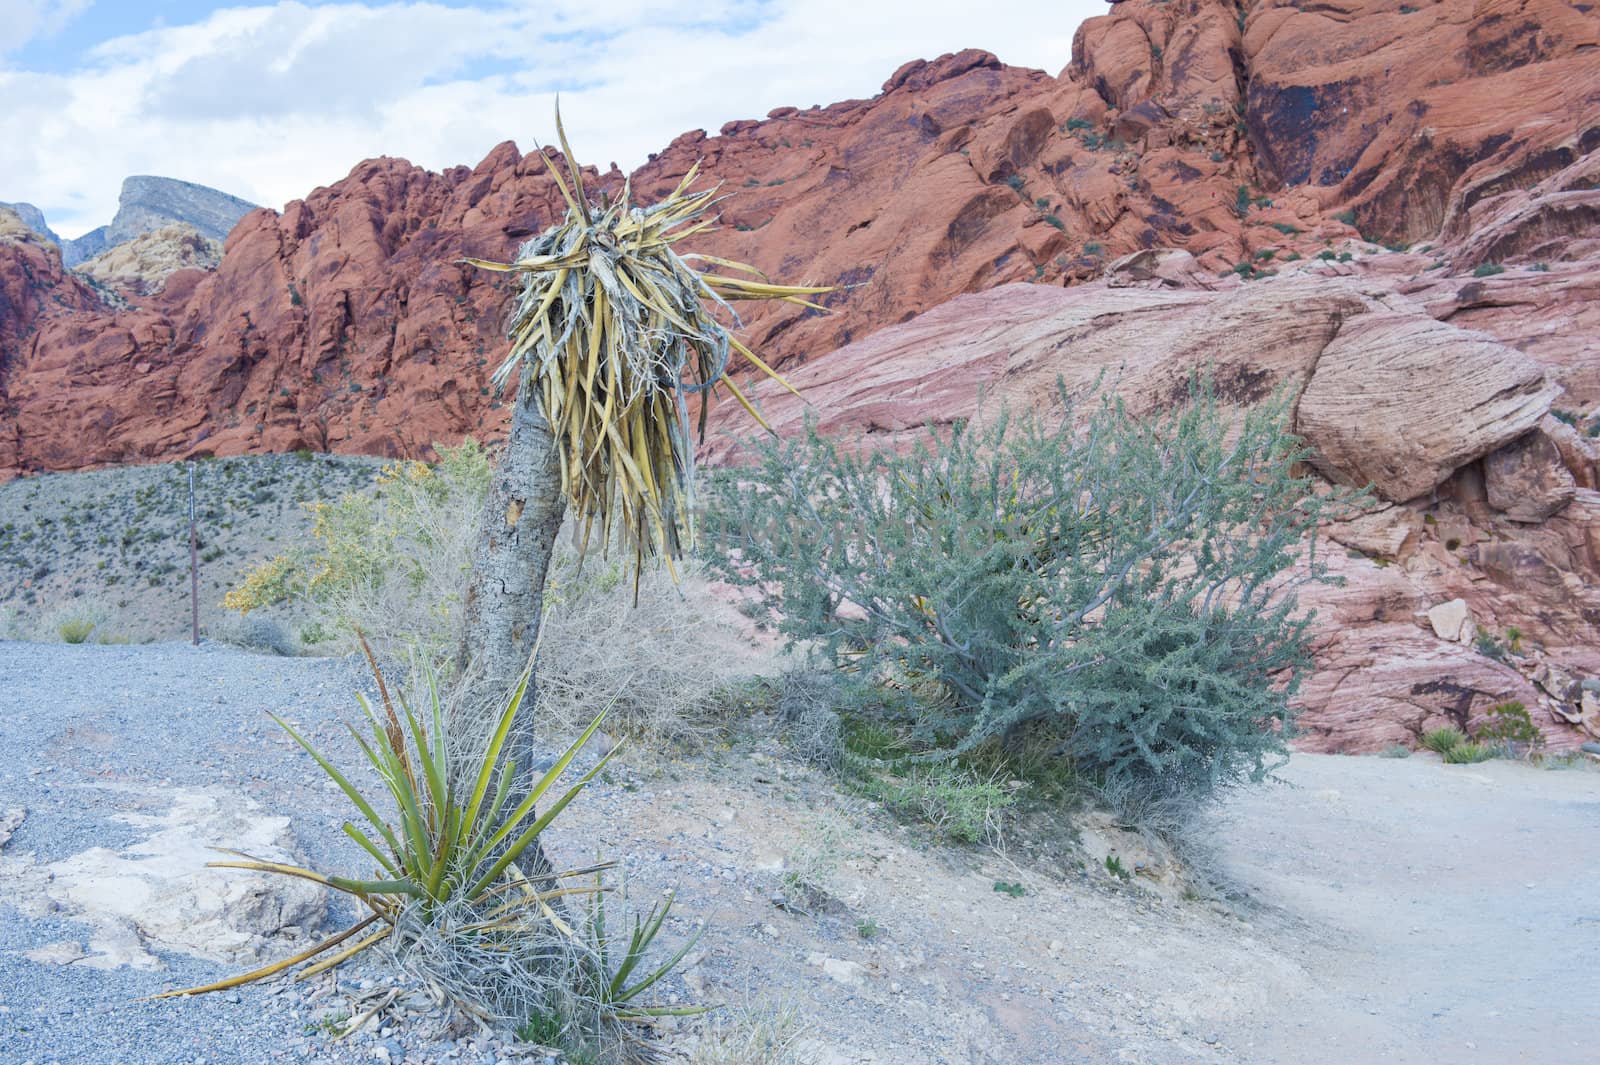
(1401, 402)
(1453, 621)
(10, 821)
(1589, 713)
(1557, 682)
(1527, 480)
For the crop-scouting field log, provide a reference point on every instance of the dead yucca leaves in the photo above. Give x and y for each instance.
(619, 330)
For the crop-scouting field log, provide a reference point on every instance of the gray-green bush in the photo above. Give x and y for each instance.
(1115, 591)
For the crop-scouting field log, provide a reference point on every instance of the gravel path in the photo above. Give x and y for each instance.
(1397, 910)
(74, 719)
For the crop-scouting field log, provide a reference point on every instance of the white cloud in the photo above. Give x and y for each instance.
(22, 21)
(269, 101)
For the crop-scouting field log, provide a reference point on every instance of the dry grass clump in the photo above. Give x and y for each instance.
(752, 1035)
(653, 663)
(73, 622)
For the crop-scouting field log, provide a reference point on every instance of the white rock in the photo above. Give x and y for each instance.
(157, 893)
(10, 821)
(837, 969)
(64, 953)
(1453, 621)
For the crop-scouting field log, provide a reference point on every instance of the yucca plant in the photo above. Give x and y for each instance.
(619, 332)
(447, 865)
(1468, 753)
(1443, 740)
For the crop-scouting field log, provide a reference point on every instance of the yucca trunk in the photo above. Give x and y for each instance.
(611, 335)
(505, 594)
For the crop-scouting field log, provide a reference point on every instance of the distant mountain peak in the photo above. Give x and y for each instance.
(33, 218)
(147, 203)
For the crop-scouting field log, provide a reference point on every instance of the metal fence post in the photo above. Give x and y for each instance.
(194, 566)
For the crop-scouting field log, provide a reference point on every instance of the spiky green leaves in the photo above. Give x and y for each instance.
(450, 837)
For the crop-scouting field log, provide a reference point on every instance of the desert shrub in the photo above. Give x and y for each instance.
(390, 562)
(1508, 723)
(1397, 750)
(652, 661)
(807, 707)
(1488, 270)
(1118, 593)
(74, 621)
(75, 630)
(393, 564)
(257, 634)
(1443, 740)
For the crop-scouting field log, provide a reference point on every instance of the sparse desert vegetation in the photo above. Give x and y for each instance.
(112, 546)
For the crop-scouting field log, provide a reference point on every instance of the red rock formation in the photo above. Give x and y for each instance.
(347, 324)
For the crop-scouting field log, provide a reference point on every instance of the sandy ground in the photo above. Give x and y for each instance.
(1380, 910)
(1386, 910)
(1441, 913)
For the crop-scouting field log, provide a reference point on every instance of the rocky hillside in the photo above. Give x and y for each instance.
(141, 266)
(1226, 130)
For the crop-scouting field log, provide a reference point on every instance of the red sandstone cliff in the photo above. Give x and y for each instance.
(346, 323)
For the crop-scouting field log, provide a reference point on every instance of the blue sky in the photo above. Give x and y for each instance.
(269, 100)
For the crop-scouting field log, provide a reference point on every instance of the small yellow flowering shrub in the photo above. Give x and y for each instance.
(391, 561)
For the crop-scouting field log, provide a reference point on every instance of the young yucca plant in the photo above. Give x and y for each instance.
(448, 864)
(619, 330)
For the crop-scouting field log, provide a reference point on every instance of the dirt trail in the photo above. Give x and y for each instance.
(1449, 913)
(1390, 910)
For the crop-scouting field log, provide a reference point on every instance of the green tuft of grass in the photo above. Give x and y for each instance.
(1006, 887)
(1115, 867)
(1468, 753)
(1440, 740)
